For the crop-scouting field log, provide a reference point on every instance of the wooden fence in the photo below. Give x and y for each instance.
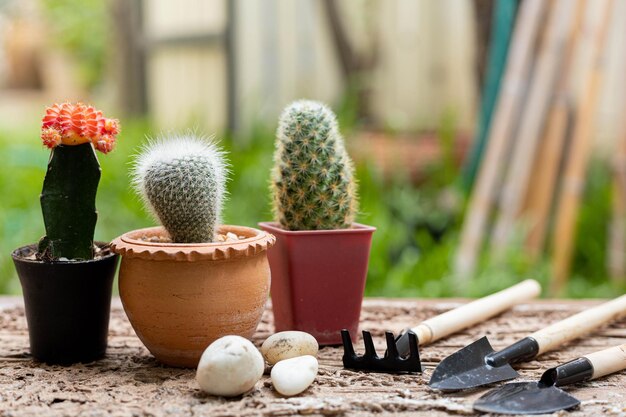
(237, 63)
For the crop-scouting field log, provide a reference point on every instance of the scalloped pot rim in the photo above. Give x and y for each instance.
(130, 245)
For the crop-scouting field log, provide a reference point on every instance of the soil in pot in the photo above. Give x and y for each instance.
(67, 305)
(179, 298)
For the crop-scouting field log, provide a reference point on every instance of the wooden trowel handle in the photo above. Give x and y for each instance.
(475, 312)
(608, 361)
(579, 324)
(585, 368)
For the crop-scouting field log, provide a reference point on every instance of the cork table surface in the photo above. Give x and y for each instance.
(130, 382)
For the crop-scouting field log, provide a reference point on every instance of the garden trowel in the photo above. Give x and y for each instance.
(545, 396)
(402, 353)
(478, 364)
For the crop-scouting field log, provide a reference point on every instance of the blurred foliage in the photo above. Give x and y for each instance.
(590, 252)
(82, 28)
(417, 227)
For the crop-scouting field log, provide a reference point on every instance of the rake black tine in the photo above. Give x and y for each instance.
(348, 348)
(370, 351)
(392, 349)
(415, 354)
(413, 345)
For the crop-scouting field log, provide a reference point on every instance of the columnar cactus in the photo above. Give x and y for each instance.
(68, 198)
(182, 182)
(313, 177)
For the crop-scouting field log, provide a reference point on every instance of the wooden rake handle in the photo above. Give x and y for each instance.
(475, 312)
(579, 324)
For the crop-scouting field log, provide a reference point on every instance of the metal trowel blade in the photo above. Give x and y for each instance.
(466, 368)
(525, 398)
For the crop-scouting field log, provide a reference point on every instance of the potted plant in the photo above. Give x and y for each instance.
(67, 278)
(191, 281)
(319, 263)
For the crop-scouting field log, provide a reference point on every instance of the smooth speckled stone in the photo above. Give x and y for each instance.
(293, 376)
(230, 366)
(289, 344)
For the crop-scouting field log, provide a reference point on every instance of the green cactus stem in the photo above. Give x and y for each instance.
(68, 203)
(182, 182)
(313, 183)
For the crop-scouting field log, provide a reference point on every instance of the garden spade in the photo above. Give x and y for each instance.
(545, 396)
(478, 364)
(402, 353)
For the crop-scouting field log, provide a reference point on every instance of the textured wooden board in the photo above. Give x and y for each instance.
(129, 382)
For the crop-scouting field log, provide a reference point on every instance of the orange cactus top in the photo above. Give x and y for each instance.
(75, 124)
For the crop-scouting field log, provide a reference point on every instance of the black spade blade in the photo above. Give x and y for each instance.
(466, 368)
(525, 398)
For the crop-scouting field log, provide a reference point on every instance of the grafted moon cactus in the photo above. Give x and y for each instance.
(313, 177)
(68, 198)
(182, 179)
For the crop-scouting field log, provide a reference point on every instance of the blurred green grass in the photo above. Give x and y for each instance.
(417, 228)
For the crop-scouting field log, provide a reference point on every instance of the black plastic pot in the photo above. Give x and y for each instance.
(67, 306)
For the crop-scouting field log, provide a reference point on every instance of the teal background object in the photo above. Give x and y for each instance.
(503, 21)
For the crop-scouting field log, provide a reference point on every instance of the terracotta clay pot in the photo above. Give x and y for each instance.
(179, 298)
(318, 279)
(67, 305)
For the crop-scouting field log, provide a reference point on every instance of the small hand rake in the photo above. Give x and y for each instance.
(402, 354)
(392, 362)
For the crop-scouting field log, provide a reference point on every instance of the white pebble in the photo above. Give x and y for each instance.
(289, 344)
(230, 366)
(292, 376)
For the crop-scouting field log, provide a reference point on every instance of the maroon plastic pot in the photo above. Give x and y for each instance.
(318, 279)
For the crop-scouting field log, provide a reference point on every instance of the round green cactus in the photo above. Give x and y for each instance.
(313, 177)
(182, 182)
